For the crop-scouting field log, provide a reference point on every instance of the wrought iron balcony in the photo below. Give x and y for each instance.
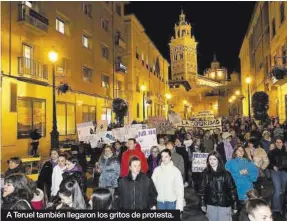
(31, 69)
(33, 18)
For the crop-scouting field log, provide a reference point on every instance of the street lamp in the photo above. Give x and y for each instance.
(143, 88)
(237, 92)
(53, 56)
(233, 97)
(248, 81)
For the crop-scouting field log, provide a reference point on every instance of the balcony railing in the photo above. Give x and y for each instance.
(120, 42)
(32, 17)
(32, 69)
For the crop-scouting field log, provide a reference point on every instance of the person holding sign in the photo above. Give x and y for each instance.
(133, 150)
(169, 184)
(218, 191)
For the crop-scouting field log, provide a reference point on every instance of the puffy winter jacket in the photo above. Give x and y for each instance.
(169, 184)
(127, 155)
(218, 189)
(138, 194)
(278, 158)
(110, 172)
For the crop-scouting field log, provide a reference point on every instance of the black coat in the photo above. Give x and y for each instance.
(278, 158)
(12, 202)
(150, 166)
(120, 154)
(218, 189)
(45, 177)
(18, 169)
(138, 194)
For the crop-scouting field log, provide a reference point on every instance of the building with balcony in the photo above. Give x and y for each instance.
(264, 47)
(147, 75)
(91, 46)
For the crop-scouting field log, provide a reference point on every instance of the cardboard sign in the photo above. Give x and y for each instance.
(85, 131)
(95, 141)
(199, 162)
(210, 124)
(147, 138)
(119, 134)
(108, 138)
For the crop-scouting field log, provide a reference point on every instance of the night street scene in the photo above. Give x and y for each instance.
(175, 110)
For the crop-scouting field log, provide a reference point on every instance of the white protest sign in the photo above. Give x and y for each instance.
(207, 124)
(109, 138)
(199, 162)
(146, 139)
(85, 131)
(102, 126)
(94, 142)
(119, 134)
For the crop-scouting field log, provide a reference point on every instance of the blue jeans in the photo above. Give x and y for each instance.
(166, 205)
(279, 180)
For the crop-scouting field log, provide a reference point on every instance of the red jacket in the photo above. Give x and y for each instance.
(127, 155)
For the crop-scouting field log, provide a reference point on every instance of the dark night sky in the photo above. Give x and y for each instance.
(218, 27)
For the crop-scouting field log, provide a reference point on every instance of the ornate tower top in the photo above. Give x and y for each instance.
(215, 64)
(182, 28)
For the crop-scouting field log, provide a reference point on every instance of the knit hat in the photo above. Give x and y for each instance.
(265, 132)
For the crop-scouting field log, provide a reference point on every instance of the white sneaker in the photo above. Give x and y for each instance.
(186, 184)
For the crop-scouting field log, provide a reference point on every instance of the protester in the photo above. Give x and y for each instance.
(225, 148)
(101, 199)
(258, 210)
(109, 168)
(255, 133)
(181, 150)
(234, 139)
(133, 150)
(243, 171)
(45, 176)
(218, 191)
(176, 158)
(14, 166)
(246, 139)
(208, 142)
(161, 144)
(119, 150)
(57, 175)
(216, 136)
(266, 141)
(153, 160)
(74, 172)
(136, 191)
(16, 194)
(35, 137)
(196, 147)
(169, 184)
(278, 167)
(71, 196)
(38, 196)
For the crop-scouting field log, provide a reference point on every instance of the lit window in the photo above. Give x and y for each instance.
(85, 41)
(87, 73)
(212, 75)
(219, 73)
(60, 25)
(66, 118)
(89, 113)
(105, 81)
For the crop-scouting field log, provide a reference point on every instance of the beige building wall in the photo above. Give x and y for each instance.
(29, 32)
(147, 68)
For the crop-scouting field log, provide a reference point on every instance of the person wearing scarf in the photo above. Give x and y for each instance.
(153, 160)
(225, 148)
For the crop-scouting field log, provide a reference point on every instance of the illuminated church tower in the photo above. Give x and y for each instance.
(183, 54)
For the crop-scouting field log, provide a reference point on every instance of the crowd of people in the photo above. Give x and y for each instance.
(241, 157)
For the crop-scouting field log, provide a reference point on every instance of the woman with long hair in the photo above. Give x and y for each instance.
(71, 196)
(101, 199)
(243, 171)
(38, 201)
(57, 175)
(14, 166)
(109, 168)
(153, 160)
(16, 194)
(218, 191)
(74, 172)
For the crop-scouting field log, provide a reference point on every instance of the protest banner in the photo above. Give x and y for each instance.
(108, 138)
(147, 138)
(206, 114)
(210, 124)
(85, 131)
(199, 162)
(162, 125)
(95, 141)
(119, 134)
